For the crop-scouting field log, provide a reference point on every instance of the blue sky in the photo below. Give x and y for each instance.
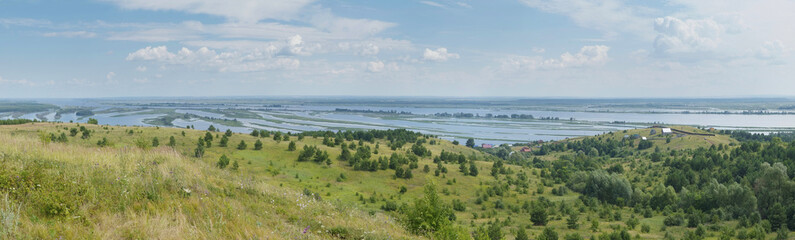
(527, 48)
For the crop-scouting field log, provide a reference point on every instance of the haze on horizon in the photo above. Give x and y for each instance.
(522, 48)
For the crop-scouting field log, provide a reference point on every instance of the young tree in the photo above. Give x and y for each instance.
(548, 234)
(172, 142)
(211, 128)
(495, 232)
(235, 165)
(255, 133)
(155, 142)
(228, 133)
(291, 147)
(538, 215)
(92, 121)
(455, 142)
(223, 161)
(199, 151)
(521, 234)
(208, 137)
(573, 221)
(224, 141)
(429, 213)
(473, 170)
(86, 134)
(258, 145)
(242, 145)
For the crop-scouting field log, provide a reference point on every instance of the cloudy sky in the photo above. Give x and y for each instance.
(527, 48)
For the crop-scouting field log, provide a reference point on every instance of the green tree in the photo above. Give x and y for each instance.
(199, 151)
(242, 145)
(211, 128)
(473, 170)
(782, 233)
(480, 234)
(235, 165)
(155, 142)
(291, 147)
(548, 234)
(224, 141)
(455, 142)
(228, 133)
(495, 231)
(223, 161)
(172, 142)
(258, 145)
(573, 221)
(255, 133)
(208, 137)
(429, 213)
(521, 234)
(470, 142)
(92, 121)
(573, 236)
(538, 215)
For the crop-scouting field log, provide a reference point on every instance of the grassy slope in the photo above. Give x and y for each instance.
(79, 191)
(274, 167)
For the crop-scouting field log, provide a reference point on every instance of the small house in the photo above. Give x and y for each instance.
(667, 131)
(643, 138)
(526, 149)
(486, 145)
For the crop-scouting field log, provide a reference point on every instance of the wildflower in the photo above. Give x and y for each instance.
(306, 229)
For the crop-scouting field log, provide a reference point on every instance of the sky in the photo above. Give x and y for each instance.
(462, 48)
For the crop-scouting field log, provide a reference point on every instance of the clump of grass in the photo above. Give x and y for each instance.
(9, 217)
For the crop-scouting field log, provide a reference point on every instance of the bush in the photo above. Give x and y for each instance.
(674, 220)
(428, 214)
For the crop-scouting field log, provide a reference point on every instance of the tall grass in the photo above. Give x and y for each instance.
(9, 217)
(57, 190)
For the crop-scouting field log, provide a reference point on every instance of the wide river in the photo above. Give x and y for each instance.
(307, 117)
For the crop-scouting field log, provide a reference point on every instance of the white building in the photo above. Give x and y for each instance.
(666, 131)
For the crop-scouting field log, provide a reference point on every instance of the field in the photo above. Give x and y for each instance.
(127, 189)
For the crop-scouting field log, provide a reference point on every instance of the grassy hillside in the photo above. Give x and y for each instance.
(76, 190)
(128, 189)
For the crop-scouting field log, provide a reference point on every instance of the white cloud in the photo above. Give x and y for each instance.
(149, 53)
(110, 76)
(23, 82)
(80, 82)
(141, 68)
(434, 4)
(141, 80)
(678, 36)
(369, 49)
(296, 47)
(463, 4)
(71, 34)
(238, 10)
(347, 28)
(439, 55)
(539, 50)
(608, 16)
(587, 56)
(230, 61)
(375, 66)
(773, 52)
